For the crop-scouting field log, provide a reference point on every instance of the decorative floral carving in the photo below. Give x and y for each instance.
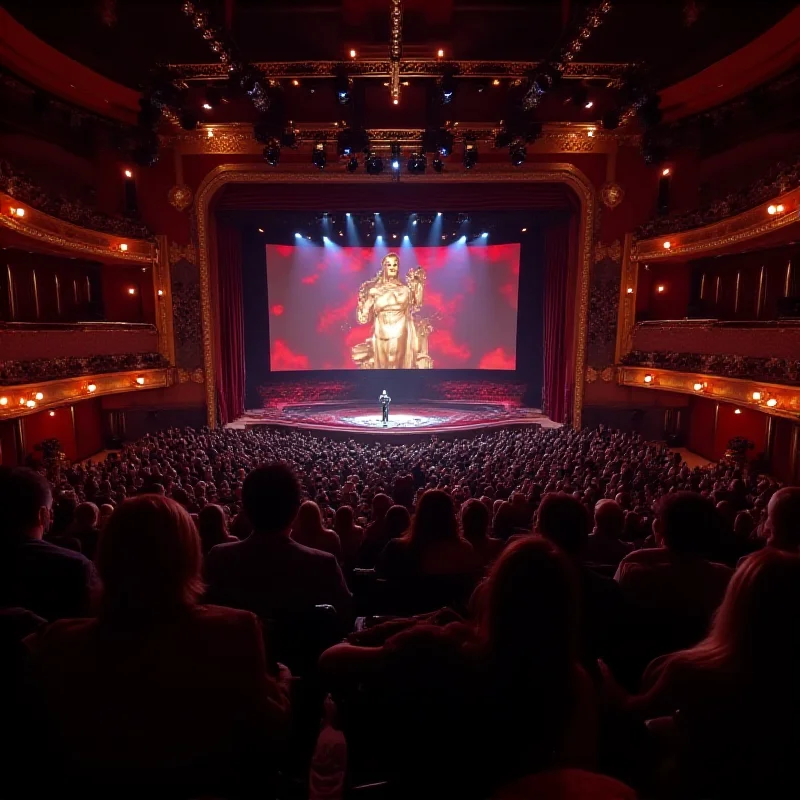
(591, 374)
(182, 252)
(26, 190)
(186, 314)
(770, 370)
(50, 369)
(608, 374)
(612, 194)
(180, 197)
(603, 302)
(611, 251)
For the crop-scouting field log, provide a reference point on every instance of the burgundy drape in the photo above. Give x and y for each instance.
(229, 325)
(559, 283)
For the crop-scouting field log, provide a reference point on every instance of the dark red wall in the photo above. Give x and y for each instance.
(673, 302)
(88, 428)
(41, 426)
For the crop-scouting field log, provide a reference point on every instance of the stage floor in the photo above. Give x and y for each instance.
(412, 418)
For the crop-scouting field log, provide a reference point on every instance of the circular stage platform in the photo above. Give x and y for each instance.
(404, 418)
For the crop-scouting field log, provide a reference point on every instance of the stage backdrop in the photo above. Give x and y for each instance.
(469, 302)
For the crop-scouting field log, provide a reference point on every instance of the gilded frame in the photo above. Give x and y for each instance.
(225, 174)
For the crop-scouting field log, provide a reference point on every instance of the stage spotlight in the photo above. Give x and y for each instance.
(437, 163)
(470, 153)
(484, 235)
(272, 152)
(444, 142)
(298, 236)
(373, 164)
(326, 240)
(517, 153)
(413, 222)
(463, 239)
(343, 88)
(395, 164)
(417, 163)
(395, 155)
(347, 214)
(405, 237)
(352, 165)
(447, 88)
(318, 157)
(379, 238)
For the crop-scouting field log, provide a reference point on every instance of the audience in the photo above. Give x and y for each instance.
(350, 535)
(157, 693)
(308, 530)
(605, 544)
(212, 525)
(37, 575)
(269, 573)
(433, 544)
(475, 520)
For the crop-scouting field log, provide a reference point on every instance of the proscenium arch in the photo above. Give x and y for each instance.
(563, 173)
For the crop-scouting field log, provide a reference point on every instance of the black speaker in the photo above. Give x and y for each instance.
(789, 308)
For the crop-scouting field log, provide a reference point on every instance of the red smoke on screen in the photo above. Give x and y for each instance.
(330, 316)
(310, 279)
(443, 342)
(282, 358)
(277, 309)
(497, 359)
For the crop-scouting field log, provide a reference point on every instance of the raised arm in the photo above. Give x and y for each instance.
(366, 301)
(416, 284)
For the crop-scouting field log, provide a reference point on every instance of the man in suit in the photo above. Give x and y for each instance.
(39, 576)
(385, 401)
(269, 573)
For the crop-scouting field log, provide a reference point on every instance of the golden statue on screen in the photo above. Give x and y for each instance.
(398, 340)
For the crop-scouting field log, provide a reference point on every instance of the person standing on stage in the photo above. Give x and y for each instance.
(384, 400)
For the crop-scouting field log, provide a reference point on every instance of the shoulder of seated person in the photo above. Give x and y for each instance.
(224, 614)
(54, 632)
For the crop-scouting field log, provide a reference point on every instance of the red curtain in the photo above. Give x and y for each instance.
(558, 319)
(230, 373)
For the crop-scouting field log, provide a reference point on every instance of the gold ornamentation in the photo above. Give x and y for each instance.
(182, 252)
(60, 233)
(260, 173)
(612, 195)
(198, 376)
(180, 197)
(733, 230)
(626, 311)
(715, 387)
(183, 375)
(608, 374)
(591, 374)
(612, 251)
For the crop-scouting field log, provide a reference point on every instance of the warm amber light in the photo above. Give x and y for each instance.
(395, 101)
(295, 82)
(124, 247)
(131, 290)
(629, 290)
(353, 54)
(780, 208)
(128, 173)
(648, 378)
(590, 132)
(3, 401)
(667, 245)
(31, 404)
(496, 82)
(160, 292)
(17, 212)
(737, 410)
(92, 387)
(440, 53)
(210, 133)
(666, 172)
(698, 387)
(772, 209)
(756, 396)
(52, 413)
(140, 380)
(772, 402)
(39, 396)
(660, 288)
(524, 230)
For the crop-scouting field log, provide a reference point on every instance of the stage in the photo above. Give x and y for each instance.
(404, 419)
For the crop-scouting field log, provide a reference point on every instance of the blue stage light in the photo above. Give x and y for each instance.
(395, 165)
(413, 222)
(405, 238)
(298, 236)
(347, 214)
(484, 235)
(438, 213)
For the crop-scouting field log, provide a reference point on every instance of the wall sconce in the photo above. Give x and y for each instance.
(698, 387)
(3, 401)
(140, 380)
(667, 245)
(123, 247)
(737, 410)
(52, 413)
(92, 387)
(772, 402)
(757, 396)
(128, 173)
(666, 172)
(160, 292)
(629, 290)
(39, 396)
(773, 209)
(660, 288)
(31, 404)
(131, 290)
(17, 212)
(648, 378)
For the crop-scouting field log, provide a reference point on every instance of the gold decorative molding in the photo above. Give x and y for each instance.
(180, 197)
(182, 252)
(612, 194)
(564, 173)
(162, 289)
(191, 376)
(71, 390)
(236, 138)
(612, 251)
(719, 235)
(626, 308)
(728, 390)
(56, 232)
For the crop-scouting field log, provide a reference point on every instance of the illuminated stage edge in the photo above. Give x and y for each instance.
(404, 419)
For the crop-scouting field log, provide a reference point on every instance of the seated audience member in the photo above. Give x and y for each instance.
(374, 534)
(475, 520)
(735, 693)
(63, 517)
(604, 545)
(396, 523)
(84, 528)
(157, 691)
(212, 525)
(269, 573)
(433, 544)
(504, 523)
(106, 510)
(35, 574)
(308, 530)
(673, 589)
(350, 535)
(783, 520)
(466, 707)
(564, 520)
